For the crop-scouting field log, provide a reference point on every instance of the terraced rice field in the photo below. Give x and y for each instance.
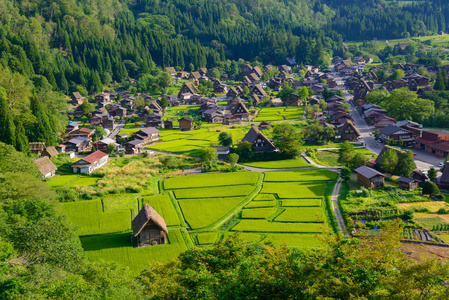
(280, 113)
(213, 192)
(280, 164)
(211, 180)
(265, 226)
(258, 213)
(164, 207)
(200, 213)
(296, 240)
(301, 214)
(304, 175)
(294, 190)
(207, 238)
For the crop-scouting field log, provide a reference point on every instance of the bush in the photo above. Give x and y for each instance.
(366, 193)
(443, 211)
(430, 188)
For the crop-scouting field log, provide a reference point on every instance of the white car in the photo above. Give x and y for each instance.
(441, 164)
(424, 171)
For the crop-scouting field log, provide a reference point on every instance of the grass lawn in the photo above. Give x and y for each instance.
(294, 190)
(164, 207)
(280, 164)
(206, 238)
(89, 218)
(301, 214)
(258, 213)
(213, 192)
(200, 213)
(265, 226)
(304, 175)
(117, 248)
(211, 180)
(62, 180)
(296, 240)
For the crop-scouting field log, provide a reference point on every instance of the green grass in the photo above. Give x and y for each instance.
(211, 180)
(294, 190)
(117, 248)
(62, 180)
(265, 226)
(295, 240)
(264, 197)
(257, 204)
(301, 202)
(258, 213)
(270, 114)
(129, 131)
(186, 147)
(207, 238)
(89, 219)
(212, 192)
(200, 213)
(120, 202)
(301, 214)
(84, 181)
(330, 157)
(280, 164)
(304, 175)
(164, 207)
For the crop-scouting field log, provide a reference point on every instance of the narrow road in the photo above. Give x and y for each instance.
(336, 208)
(117, 129)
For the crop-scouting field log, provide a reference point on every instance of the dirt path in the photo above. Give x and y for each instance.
(336, 208)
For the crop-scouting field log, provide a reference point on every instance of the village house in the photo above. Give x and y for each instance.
(408, 184)
(77, 144)
(246, 70)
(117, 111)
(37, 147)
(154, 120)
(185, 123)
(147, 135)
(370, 178)
(234, 92)
(149, 228)
(134, 146)
(240, 110)
(348, 132)
(195, 76)
(51, 152)
(258, 90)
(259, 141)
(392, 132)
(46, 167)
(77, 98)
(103, 144)
(90, 163)
(222, 152)
(168, 124)
(103, 97)
(188, 87)
(433, 141)
(81, 132)
(170, 70)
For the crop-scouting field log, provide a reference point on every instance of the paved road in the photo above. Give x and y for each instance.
(117, 129)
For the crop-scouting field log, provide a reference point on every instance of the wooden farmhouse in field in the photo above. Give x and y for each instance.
(185, 123)
(260, 142)
(90, 163)
(46, 167)
(149, 228)
(408, 184)
(348, 132)
(370, 178)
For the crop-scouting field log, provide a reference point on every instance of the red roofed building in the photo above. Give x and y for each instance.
(90, 163)
(82, 132)
(429, 140)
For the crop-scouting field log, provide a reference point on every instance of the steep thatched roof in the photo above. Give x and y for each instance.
(255, 133)
(51, 152)
(385, 149)
(45, 165)
(146, 214)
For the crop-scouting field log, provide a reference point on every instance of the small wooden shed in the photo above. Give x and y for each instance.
(408, 184)
(370, 178)
(149, 228)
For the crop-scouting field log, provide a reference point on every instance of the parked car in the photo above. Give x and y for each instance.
(441, 164)
(424, 171)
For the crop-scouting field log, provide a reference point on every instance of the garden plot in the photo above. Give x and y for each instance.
(301, 214)
(200, 213)
(302, 175)
(89, 219)
(295, 190)
(295, 240)
(164, 207)
(265, 226)
(213, 192)
(258, 213)
(118, 248)
(211, 180)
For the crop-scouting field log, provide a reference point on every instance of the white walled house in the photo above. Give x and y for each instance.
(90, 163)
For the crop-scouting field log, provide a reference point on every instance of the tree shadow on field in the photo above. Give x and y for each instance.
(105, 241)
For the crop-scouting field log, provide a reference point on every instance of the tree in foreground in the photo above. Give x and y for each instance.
(208, 156)
(233, 159)
(345, 173)
(406, 164)
(367, 267)
(288, 139)
(389, 161)
(430, 188)
(345, 153)
(225, 139)
(432, 173)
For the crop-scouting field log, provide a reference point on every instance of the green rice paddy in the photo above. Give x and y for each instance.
(280, 164)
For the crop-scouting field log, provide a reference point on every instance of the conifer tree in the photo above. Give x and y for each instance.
(7, 127)
(21, 138)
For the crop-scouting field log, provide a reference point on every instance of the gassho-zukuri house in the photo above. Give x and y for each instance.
(91, 162)
(149, 228)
